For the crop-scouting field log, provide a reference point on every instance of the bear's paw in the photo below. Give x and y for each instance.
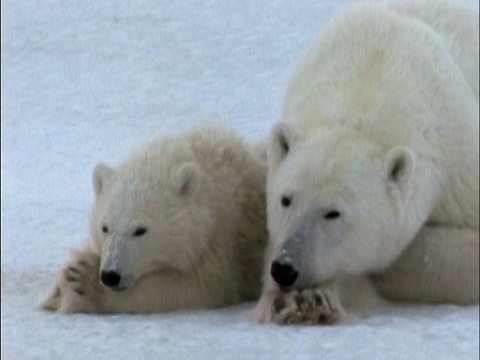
(311, 306)
(78, 289)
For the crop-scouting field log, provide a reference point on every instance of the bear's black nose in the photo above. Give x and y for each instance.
(110, 278)
(283, 273)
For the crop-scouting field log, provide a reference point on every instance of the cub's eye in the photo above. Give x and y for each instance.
(140, 231)
(331, 215)
(285, 201)
(104, 229)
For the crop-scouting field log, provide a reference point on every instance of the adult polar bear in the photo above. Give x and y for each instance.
(179, 224)
(376, 159)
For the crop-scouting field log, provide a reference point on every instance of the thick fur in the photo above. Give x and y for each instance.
(181, 220)
(374, 165)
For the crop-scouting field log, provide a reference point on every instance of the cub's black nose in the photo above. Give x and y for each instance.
(283, 273)
(110, 278)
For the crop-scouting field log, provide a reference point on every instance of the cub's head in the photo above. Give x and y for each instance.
(151, 213)
(334, 204)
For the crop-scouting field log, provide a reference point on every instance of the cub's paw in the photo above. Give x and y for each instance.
(78, 288)
(318, 305)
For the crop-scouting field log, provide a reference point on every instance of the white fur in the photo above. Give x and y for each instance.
(381, 123)
(200, 197)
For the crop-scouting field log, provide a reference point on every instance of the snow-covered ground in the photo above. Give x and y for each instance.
(87, 81)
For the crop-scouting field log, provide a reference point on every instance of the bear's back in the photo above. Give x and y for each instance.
(387, 77)
(457, 25)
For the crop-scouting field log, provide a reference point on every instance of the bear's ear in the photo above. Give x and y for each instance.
(259, 152)
(100, 175)
(282, 137)
(399, 164)
(186, 178)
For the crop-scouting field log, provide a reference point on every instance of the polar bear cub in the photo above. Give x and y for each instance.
(374, 166)
(179, 224)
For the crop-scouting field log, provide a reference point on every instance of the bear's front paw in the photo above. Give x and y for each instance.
(318, 305)
(264, 311)
(78, 288)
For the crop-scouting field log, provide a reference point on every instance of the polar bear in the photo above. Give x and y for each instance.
(179, 224)
(374, 166)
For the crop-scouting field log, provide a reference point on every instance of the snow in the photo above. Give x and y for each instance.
(88, 81)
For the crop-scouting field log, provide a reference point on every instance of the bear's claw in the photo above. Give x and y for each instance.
(78, 287)
(319, 305)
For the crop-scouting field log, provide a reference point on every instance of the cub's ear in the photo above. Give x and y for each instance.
(282, 137)
(101, 173)
(399, 164)
(186, 179)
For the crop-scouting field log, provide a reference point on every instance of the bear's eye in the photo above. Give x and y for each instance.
(285, 201)
(104, 229)
(140, 231)
(331, 215)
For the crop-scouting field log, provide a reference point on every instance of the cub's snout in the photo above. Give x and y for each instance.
(111, 279)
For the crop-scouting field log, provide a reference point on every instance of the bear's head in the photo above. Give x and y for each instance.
(151, 213)
(335, 204)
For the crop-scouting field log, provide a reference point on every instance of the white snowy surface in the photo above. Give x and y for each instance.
(87, 81)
